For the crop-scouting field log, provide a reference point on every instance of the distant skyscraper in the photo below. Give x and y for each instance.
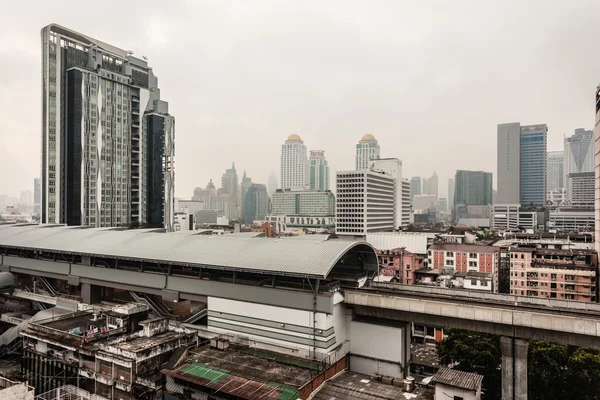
(431, 186)
(522, 163)
(256, 203)
(244, 186)
(415, 186)
(294, 164)
(367, 149)
(450, 195)
(555, 173)
(393, 168)
(319, 170)
(273, 185)
(26, 197)
(37, 195)
(473, 188)
(229, 185)
(597, 170)
(578, 156)
(107, 138)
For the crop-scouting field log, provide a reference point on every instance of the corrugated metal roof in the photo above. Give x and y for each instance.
(456, 378)
(285, 256)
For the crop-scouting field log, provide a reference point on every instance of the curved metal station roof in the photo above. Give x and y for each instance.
(313, 256)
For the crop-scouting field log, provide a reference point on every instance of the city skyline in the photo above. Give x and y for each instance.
(334, 122)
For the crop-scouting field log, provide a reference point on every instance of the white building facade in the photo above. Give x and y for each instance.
(367, 150)
(508, 217)
(555, 173)
(294, 164)
(308, 203)
(365, 202)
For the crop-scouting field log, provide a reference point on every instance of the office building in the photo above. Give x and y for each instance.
(554, 273)
(393, 168)
(555, 174)
(522, 164)
(313, 203)
(108, 139)
(215, 200)
(406, 203)
(473, 188)
(37, 195)
(243, 189)
(318, 170)
(580, 191)
(509, 217)
(367, 150)
(365, 202)
(415, 186)
(431, 186)
(556, 197)
(571, 219)
(300, 223)
(451, 187)
(230, 186)
(188, 206)
(294, 164)
(256, 202)
(578, 153)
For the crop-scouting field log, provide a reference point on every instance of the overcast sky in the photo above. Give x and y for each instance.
(429, 79)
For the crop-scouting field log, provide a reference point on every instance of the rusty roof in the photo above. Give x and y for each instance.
(456, 378)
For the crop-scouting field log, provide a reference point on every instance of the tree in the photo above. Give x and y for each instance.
(474, 352)
(555, 371)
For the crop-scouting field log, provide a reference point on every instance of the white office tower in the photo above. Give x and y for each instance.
(108, 140)
(392, 167)
(319, 170)
(294, 164)
(365, 202)
(406, 203)
(555, 172)
(367, 150)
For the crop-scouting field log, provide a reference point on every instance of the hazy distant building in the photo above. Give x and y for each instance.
(365, 202)
(37, 195)
(305, 203)
(318, 170)
(272, 185)
(597, 170)
(256, 203)
(294, 164)
(555, 174)
(415, 186)
(473, 188)
(367, 150)
(522, 163)
(244, 186)
(108, 140)
(422, 202)
(450, 194)
(230, 185)
(431, 185)
(26, 197)
(393, 167)
(578, 155)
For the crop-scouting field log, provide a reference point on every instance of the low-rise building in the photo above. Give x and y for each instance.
(399, 264)
(448, 277)
(115, 353)
(294, 223)
(508, 217)
(572, 220)
(554, 273)
(455, 384)
(464, 257)
(315, 203)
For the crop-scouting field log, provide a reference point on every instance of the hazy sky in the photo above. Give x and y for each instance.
(430, 79)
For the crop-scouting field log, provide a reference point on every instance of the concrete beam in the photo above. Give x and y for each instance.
(503, 329)
(34, 296)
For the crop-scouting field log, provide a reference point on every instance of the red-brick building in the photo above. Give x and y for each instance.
(464, 257)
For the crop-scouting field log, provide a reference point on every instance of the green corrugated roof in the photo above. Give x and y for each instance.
(214, 375)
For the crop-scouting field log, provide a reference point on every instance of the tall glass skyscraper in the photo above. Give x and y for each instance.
(522, 162)
(319, 170)
(533, 164)
(108, 140)
(473, 188)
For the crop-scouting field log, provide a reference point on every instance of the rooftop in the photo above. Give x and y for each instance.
(351, 386)
(456, 378)
(467, 248)
(244, 372)
(312, 257)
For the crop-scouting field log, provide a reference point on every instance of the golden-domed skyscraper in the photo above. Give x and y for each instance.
(367, 149)
(294, 164)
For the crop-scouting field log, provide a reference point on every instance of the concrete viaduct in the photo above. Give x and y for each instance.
(516, 319)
